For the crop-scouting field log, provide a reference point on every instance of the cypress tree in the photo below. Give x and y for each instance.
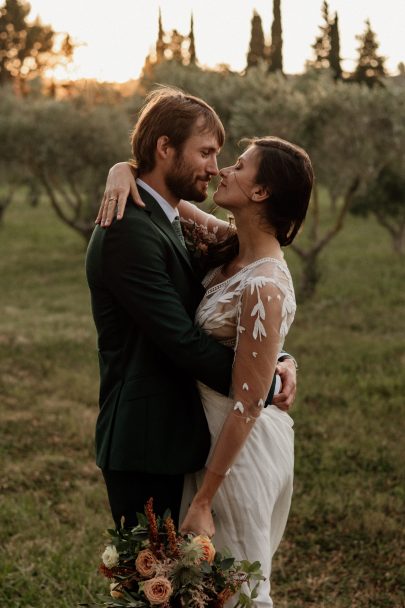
(257, 45)
(191, 48)
(370, 66)
(160, 44)
(322, 44)
(176, 46)
(276, 50)
(334, 57)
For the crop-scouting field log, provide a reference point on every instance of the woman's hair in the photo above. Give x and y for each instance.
(169, 111)
(286, 171)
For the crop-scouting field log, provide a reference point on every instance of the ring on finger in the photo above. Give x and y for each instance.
(112, 198)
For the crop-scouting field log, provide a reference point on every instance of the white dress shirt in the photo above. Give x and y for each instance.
(170, 212)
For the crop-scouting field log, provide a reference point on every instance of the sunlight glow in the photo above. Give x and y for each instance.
(115, 37)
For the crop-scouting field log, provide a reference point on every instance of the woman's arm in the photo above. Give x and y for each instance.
(260, 326)
(121, 182)
(191, 213)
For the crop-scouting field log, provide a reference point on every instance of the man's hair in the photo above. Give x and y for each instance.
(171, 112)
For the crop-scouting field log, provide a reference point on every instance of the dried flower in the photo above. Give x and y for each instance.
(146, 563)
(157, 590)
(171, 537)
(117, 595)
(106, 571)
(110, 557)
(153, 526)
(223, 597)
(152, 565)
(198, 237)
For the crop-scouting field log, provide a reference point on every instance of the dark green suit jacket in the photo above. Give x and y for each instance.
(144, 295)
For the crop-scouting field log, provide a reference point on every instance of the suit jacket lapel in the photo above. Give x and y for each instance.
(161, 220)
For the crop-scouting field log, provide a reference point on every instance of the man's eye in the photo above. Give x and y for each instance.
(204, 154)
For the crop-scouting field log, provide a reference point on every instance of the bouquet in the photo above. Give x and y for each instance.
(153, 565)
(198, 238)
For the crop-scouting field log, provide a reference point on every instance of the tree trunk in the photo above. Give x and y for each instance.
(333, 203)
(398, 241)
(310, 277)
(5, 201)
(310, 257)
(2, 210)
(83, 226)
(396, 228)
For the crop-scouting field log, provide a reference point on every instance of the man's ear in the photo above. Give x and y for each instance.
(260, 194)
(163, 147)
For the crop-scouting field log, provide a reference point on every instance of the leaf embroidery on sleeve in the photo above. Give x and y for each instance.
(239, 406)
(258, 310)
(259, 330)
(245, 387)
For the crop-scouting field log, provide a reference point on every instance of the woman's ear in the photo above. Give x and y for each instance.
(260, 194)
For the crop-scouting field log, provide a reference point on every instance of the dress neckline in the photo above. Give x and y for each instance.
(215, 272)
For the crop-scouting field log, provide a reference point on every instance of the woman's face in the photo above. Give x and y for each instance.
(238, 182)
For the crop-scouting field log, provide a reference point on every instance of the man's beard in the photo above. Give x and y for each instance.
(181, 181)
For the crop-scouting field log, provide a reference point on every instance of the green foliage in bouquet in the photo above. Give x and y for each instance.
(153, 565)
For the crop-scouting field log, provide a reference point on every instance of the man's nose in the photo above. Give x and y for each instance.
(212, 166)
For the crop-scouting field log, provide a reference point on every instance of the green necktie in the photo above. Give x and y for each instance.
(179, 233)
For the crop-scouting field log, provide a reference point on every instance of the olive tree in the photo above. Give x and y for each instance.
(385, 200)
(348, 132)
(69, 151)
(12, 175)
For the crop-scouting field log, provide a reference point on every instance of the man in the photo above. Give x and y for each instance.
(151, 428)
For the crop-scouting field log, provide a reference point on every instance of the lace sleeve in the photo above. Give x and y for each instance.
(193, 215)
(262, 313)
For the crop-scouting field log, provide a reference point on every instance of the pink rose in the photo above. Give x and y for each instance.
(157, 590)
(146, 563)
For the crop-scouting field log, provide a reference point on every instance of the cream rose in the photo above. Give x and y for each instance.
(208, 549)
(157, 590)
(146, 563)
(110, 557)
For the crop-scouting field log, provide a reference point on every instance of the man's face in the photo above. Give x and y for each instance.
(192, 168)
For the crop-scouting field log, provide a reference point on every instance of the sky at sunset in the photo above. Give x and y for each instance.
(116, 36)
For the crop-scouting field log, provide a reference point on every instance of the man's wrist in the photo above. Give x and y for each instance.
(287, 357)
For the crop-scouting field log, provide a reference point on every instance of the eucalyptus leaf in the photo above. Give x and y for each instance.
(227, 563)
(142, 519)
(205, 567)
(167, 514)
(254, 592)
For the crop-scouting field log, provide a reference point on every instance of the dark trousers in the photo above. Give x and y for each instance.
(128, 492)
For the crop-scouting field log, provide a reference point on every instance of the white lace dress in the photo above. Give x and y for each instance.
(251, 311)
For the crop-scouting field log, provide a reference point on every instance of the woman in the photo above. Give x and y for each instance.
(249, 303)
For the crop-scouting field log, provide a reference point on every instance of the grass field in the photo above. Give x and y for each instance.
(343, 547)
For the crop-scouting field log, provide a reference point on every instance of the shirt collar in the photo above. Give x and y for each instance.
(169, 211)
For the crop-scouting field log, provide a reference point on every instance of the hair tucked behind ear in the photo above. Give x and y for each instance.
(285, 170)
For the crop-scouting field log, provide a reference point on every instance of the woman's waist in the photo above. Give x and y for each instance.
(215, 402)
